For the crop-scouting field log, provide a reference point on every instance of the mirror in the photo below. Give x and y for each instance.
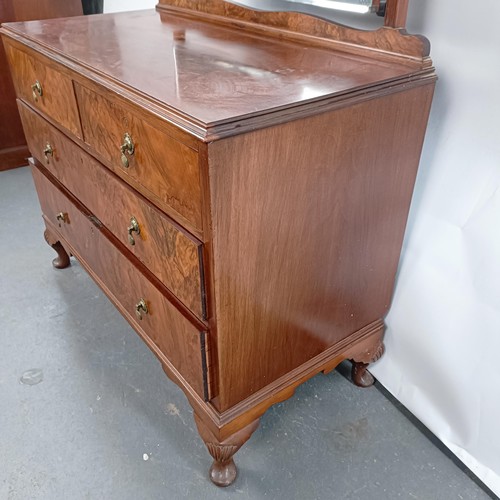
(356, 6)
(346, 12)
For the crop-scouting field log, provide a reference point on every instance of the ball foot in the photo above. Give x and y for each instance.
(223, 473)
(223, 470)
(361, 376)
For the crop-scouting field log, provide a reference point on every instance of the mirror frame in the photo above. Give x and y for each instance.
(388, 42)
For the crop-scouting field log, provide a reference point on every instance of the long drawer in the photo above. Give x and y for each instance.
(165, 168)
(170, 253)
(146, 308)
(45, 86)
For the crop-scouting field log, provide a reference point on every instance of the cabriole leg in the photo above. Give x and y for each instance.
(223, 470)
(62, 260)
(360, 374)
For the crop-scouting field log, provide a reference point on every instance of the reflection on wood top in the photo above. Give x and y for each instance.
(207, 73)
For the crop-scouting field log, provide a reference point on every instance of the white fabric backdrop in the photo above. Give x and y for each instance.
(443, 337)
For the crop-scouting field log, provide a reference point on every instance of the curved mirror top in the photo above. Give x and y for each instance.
(357, 6)
(344, 12)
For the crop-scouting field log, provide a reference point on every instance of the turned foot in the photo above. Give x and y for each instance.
(360, 374)
(62, 260)
(223, 470)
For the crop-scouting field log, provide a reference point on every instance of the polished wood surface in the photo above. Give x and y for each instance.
(311, 30)
(340, 222)
(26, 10)
(14, 157)
(170, 253)
(13, 149)
(164, 166)
(169, 330)
(57, 98)
(270, 177)
(396, 13)
(237, 73)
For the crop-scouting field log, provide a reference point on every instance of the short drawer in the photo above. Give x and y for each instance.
(167, 251)
(44, 87)
(146, 308)
(165, 167)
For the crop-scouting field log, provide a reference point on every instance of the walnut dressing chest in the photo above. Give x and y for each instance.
(237, 182)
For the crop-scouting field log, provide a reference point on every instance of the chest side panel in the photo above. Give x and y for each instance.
(308, 223)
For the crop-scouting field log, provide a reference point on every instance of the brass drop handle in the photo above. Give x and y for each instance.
(127, 148)
(140, 308)
(48, 151)
(37, 90)
(133, 228)
(62, 217)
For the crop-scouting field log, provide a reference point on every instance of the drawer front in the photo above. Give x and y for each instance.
(166, 251)
(163, 324)
(167, 169)
(45, 88)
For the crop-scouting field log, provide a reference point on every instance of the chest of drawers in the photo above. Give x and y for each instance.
(236, 182)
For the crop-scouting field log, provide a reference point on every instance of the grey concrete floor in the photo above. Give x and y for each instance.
(104, 405)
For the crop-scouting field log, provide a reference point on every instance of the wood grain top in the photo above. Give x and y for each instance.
(205, 73)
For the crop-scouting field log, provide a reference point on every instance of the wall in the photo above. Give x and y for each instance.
(443, 335)
(124, 5)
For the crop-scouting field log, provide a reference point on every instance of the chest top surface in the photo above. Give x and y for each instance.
(208, 73)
